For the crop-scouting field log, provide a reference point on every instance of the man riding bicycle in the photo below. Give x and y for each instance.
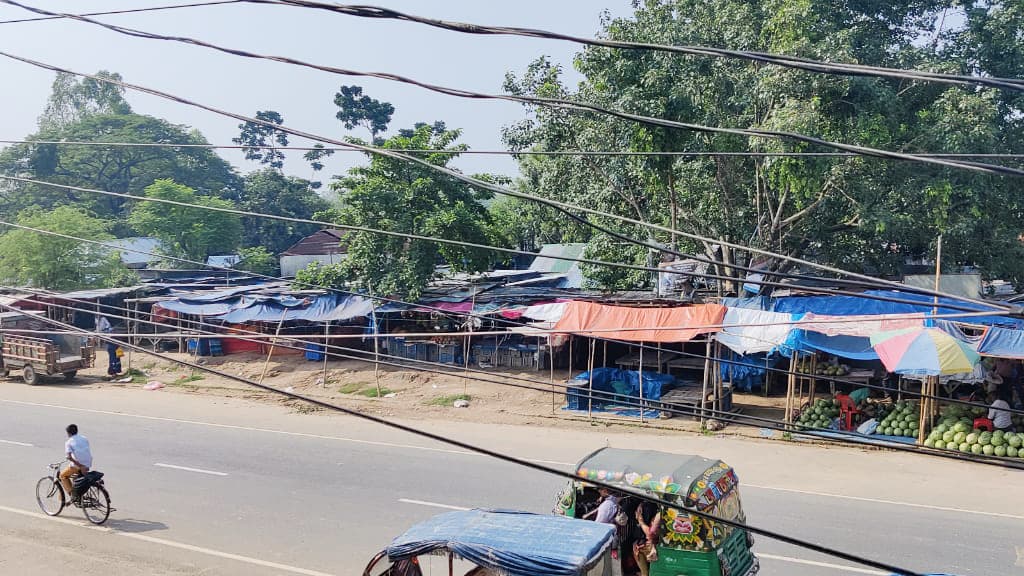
(78, 452)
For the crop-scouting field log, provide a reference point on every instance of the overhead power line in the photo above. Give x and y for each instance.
(565, 208)
(519, 382)
(126, 11)
(551, 102)
(695, 153)
(806, 64)
(501, 456)
(235, 211)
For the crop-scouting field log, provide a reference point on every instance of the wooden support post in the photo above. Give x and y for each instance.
(641, 382)
(273, 342)
(551, 359)
(704, 386)
(327, 334)
(590, 372)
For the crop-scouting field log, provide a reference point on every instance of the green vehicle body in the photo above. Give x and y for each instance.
(688, 545)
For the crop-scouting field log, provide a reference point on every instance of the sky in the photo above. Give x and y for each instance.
(304, 97)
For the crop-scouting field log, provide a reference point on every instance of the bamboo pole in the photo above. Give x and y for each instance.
(590, 371)
(551, 359)
(641, 382)
(376, 343)
(791, 386)
(704, 387)
(327, 334)
(469, 342)
(273, 342)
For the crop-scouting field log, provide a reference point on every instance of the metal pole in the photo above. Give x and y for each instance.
(938, 273)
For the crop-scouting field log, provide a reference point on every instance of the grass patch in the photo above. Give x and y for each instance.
(447, 400)
(138, 376)
(187, 379)
(352, 387)
(373, 393)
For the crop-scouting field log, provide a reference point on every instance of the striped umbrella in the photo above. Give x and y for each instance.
(924, 351)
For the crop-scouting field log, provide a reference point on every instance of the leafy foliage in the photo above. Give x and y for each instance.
(269, 191)
(73, 99)
(257, 139)
(358, 109)
(855, 212)
(393, 195)
(44, 261)
(186, 232)
(258, 260)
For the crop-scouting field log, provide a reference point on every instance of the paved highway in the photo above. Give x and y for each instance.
(224, 487)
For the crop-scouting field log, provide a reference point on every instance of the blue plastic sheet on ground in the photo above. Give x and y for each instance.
(514, 543)
(624, 383)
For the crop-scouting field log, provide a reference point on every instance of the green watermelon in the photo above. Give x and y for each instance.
(988, 449)
(938, 444)
(972, 438)
(964, 447)
(1000, 451)
(1011, 452)
(976, 448)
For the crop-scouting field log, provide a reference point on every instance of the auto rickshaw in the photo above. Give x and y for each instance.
(502, 542)
(687, 543)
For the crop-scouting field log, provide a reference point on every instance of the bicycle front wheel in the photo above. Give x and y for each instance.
(96, 505)
(50, 495)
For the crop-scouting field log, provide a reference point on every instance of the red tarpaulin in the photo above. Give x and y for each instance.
(640, 324)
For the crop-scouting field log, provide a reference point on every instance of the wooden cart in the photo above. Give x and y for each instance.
(37, 357)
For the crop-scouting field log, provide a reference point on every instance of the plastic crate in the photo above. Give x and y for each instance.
(575, 398)
(451, 354)
(314, 352)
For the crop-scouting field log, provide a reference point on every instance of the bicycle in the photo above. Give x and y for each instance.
(50, 495)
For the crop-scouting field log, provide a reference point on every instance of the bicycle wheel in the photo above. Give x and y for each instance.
(50, 495)
(96, 505)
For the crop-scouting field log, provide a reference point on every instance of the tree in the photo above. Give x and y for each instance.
(125, 169)
(269, 191)
(394, 195)
(257, 139)
(186, 232)
(357, 109)
(73, 99)
(54, 263)
(862, 214)
(258, 260)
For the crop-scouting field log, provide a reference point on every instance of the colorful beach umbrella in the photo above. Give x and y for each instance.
(924, 351)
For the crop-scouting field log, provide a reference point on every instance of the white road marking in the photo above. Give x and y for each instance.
(889, 502)
(267, 430)
(432, 504)
(816, 564)
(171, 543)
(187, 469)
(15, 443)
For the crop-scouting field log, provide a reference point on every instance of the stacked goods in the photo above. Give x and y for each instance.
(902, 421)
(805, 367)
(820, 414)
(955, 432)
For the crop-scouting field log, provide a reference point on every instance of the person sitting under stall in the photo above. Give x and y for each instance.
(999, 410)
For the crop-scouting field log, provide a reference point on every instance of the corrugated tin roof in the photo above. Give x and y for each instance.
(319, 243)
(142, 244)
(558, 266)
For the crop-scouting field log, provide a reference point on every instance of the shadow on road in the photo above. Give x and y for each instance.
(134, 526)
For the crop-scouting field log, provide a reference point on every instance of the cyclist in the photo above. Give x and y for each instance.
(80, 455)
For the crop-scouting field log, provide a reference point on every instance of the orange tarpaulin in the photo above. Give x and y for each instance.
(656, 324)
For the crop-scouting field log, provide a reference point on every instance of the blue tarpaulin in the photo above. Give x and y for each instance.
(851, 347)
(241, 309)
(1002, 342)
(852, 305)
(514, 543)
(624, 383)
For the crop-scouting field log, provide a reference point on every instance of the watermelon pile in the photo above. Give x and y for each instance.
(902, 421)
(955, 432)
(819, 415)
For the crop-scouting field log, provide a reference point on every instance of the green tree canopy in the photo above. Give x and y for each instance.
(43, 261)
(394, 195)
(73, 99)
(186, 232)
(269, 191)
(115, 168)
(859, 213)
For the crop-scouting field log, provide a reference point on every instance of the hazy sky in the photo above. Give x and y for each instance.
(304, 97)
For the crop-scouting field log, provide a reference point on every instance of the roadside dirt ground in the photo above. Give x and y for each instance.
(404, 392)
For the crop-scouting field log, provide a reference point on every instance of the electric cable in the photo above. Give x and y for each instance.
(126, 11)
(562, 207)
(805, 64)
(501, 456)
(235, 211)
(551, 102)
(633, 344)
(455, 370)
(698, 153)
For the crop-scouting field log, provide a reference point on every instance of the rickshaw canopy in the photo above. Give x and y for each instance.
(702, 481)
(514, 543)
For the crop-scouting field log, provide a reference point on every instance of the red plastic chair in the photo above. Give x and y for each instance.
(847, 410)
(984, 424)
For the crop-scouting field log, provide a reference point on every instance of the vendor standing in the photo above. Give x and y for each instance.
(113, 361)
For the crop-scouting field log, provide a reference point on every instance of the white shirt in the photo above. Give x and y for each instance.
(999, 414)
(607, 510)
(78, 446)
(103, 325)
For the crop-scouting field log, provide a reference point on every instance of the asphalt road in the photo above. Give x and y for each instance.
(196, 491)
